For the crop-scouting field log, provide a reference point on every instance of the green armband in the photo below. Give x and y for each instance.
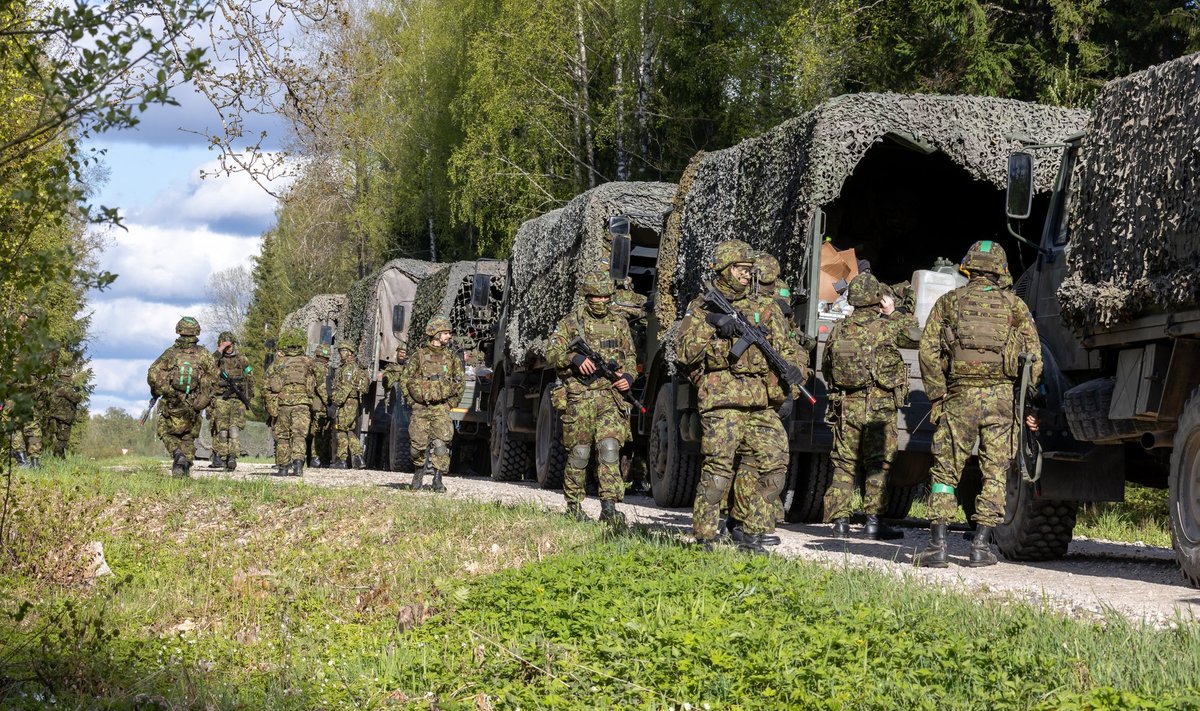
(942, 489)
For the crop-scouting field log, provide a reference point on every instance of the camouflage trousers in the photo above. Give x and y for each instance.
(229, 418)
(318, 442)
(427, 423)
(58, 434)
(178, 424)
(865, 439)
(31, 435)
(589, 417)
(347, 444)
(291, 424)
(758, 436)
(968, 413)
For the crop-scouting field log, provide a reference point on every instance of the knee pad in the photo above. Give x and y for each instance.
(608, 450)
(714, 489)
(579, 455)
(772, 484)
(440, 448)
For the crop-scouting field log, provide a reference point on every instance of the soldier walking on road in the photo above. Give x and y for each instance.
(229, 405)
(594, 413)
(734, 402)
(432, 382)
(183, 377)
(350, 381)
(320, 431)
(868, 383)
(290, 394)
(969, 361)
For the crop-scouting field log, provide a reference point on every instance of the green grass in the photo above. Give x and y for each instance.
(255, 595)
(1142, 516)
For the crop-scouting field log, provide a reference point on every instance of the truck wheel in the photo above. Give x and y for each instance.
(900, 499)
(809, 477)
(1033, 528)
(510, 456)
(399, 451)
(551, 455)
(1184, 489)
(674, 472)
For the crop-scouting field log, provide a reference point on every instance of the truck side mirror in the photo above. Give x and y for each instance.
(398, 319)
(481, 290)
(1020, 186)
(618, 260)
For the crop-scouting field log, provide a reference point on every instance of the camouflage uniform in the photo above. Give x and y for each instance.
(227, 410)
(393, 371)
(969, 355)
(868, 383)
(432, 382)
(734, 402)
(290, 395)
(350, 381)
(594, 413)
(184, 376)
(29, 454)
(62, 407)
(317, 443)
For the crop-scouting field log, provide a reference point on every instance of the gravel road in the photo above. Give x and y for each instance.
(1096, 577)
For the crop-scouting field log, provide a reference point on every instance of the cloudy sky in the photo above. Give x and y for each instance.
(180, 229)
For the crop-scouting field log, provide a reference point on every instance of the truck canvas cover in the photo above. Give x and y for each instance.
(397, 281)
(320, 309)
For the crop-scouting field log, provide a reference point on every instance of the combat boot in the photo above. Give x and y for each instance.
(841, 528)
(35, 462)
(338, 464)
(610, 515)
(438, 486)
(297, 467)
(22, 460)
(230, 462)
(357, 462)
(769, 539)
(935, 555)
(179, 464)
(981, 549)
(315, 463)
(418, 479)
(750, 542)
(284, 470)
(216, 462)
(877, 530)
(575, 511)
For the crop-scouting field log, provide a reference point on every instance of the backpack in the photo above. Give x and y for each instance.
(181, 379)
(853, 356)
(980, 334)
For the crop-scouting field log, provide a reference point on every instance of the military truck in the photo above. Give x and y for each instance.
(318, 319)
(1114, 291)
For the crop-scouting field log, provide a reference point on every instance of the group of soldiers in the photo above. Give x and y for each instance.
(59, 408)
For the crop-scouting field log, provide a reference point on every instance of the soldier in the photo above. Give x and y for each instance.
(593, 410)
(969, 361)
(29, 454)
(868, 383)
(230, 402)
(391, 374)
(432, 382)
(62, 406)
(735, 412)
(184, 377)
(290, 393)
(317, 442)
(349, 383)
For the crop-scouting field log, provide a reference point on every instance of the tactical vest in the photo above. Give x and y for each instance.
(604, 336)
(864, 356)
(293, 379)
(979, 336)
(434, 381)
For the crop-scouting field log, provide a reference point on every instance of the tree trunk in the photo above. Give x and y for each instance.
(645, 81)
(584, 110)
(619, 82)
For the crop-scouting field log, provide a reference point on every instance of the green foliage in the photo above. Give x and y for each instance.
(1142, 516)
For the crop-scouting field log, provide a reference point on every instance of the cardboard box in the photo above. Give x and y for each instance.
(835, 266)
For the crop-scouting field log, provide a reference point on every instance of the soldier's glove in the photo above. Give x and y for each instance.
(725, 324)
(794, 374)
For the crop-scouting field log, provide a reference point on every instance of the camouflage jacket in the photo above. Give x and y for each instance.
(290, 381)
(433, 375)
(350, 381)
(629, 304)
(233, 374)
(322, 376)
(184, 372)
(721, 380)
(62, 402)
(863, 351)
(974, 335)
(609, 336)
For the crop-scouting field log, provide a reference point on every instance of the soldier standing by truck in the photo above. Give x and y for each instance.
(868, 383)
(594, 411)
(232, 399)
(736, 416)
(969, 362)
(349, 383)
(432, 381)
(317, 442)
(290, 394)
(183, 377)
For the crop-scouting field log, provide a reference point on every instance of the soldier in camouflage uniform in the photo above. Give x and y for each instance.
(734, 402)
(184, 377)
(62, 407)
(228, 408)
(594, 413)
(432, 382)
(350, 381)
(868, 383)
(391, 374)
(29, 451)
(317, 442)
(290, 395)
(969, 361)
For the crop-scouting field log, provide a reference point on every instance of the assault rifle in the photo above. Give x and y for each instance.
(1028, 448)
(149, 408)
(607, 369)
(752, 335)
(236, 387)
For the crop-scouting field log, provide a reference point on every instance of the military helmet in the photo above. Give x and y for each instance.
(730, 252)
(768, 268)
(597, 284)
(226, 337)
(864, 290)
(985, 256)
(291, 340)
(188, 326)
(322, 351)
(436, 325)
(346, 346)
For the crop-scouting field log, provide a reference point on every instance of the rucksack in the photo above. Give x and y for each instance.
(853, 357)
(981, 332)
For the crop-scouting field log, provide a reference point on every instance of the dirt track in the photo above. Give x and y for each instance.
(1140, 582)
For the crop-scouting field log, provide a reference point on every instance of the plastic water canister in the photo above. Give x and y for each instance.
(928, 286)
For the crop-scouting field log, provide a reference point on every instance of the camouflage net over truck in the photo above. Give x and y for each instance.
(553, 251)
(319, 309)
(448, 293)
(359, 324)
(764, 189)
(1135, 204)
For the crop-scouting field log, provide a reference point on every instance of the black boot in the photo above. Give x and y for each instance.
(297, 467)
(575, 511)
(22, 460)
(230, 462)
(769, 539)
(438, 486)
(981, 549)
(284, 470)
(610, 515)
(338, 464)
(357, 462)
(746, 541)
(418, 479)
(216, 462)
(35, 462)
(841, 528)
(179, 463)
(315, 463)
(935, 555)
(877, 530)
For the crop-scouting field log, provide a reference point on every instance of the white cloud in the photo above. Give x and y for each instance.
(231, 203)
(132, 328)
(120, 375)
(99, 403)
(172, 264)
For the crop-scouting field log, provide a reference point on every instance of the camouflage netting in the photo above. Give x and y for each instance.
(1135, 210)
(358, 324)
(552, 251)
(763, 189)
(448, 293)
(320, 308)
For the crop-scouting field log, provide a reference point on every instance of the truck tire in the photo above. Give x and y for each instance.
(510, 456)
(550, 460)
(809, 477)
(900, 499)
(399, 451)
(1033, 528)
(1184, 489)
(1086, 407)
(674, 470)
